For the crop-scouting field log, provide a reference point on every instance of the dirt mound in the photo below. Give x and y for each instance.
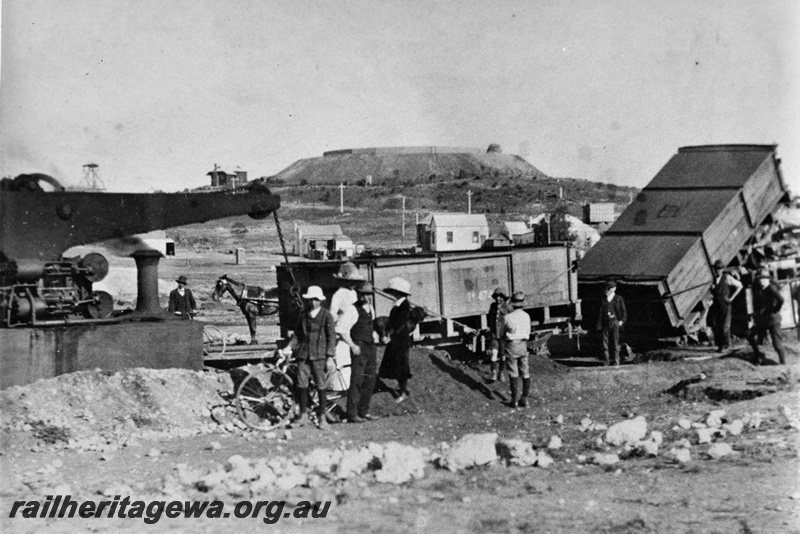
(96, 410)
(405, 167)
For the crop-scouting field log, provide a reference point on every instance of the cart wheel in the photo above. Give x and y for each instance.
(266, 400)
(213, 336)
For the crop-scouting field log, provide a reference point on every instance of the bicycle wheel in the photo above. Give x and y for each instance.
(213, 336)
(265, 400)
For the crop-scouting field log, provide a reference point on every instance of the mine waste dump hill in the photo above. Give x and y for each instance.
(406, 164)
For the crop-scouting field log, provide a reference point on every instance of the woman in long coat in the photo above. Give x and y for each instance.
(395, 364)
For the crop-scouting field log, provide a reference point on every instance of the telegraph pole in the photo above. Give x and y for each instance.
(341, 198)
(469, 201)
(404, 221)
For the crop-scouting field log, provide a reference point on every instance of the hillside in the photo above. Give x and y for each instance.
(406, 165)
(373, 214)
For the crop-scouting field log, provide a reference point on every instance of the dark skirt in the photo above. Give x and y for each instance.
(395, 364)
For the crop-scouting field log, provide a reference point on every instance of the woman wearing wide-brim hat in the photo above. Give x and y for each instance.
(395, 364)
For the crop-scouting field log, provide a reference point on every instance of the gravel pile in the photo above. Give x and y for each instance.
(100, 410)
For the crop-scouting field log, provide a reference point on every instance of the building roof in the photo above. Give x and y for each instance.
(456, 219)
(320, 230)
(516, 227)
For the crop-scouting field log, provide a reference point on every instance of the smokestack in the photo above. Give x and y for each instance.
(147, 281)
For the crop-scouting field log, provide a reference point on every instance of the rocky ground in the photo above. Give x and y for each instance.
(680, 446)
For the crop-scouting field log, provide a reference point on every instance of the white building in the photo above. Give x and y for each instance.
(515, 228)
(452, 231)
(322, 241)
(585, 235)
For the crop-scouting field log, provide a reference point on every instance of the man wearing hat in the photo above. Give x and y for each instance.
(497, 311)
(395, 364)
(516, 330)
(767, 303)
(181, 300)
(364, 365)
(610, 319)
(720, 311)
(314, 343)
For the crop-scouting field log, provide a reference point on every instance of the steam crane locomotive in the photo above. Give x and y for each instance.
(47, 298)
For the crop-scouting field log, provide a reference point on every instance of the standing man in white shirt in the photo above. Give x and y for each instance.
(516, 332)
(721, 305)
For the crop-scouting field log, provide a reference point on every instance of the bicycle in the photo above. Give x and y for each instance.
(265, 399)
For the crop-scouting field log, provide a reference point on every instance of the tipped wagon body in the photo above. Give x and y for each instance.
(702, 206)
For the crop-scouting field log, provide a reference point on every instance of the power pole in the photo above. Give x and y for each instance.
(404, 222)
(341, 198)
(469, 201)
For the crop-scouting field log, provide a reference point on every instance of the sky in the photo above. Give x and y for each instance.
(157, 92)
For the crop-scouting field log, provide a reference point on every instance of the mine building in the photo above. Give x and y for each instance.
(223, 179)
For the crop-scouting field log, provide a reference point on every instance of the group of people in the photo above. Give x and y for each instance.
(340, 343)
(337, 346)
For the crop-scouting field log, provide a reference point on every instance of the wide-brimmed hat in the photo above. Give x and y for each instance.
(763, 274)
(314, 292)
(518, 299)
(348, 271)
(718, 264)
(401, 285)
(500, 291)
(182, 280)
(365, 287)
(611, 285)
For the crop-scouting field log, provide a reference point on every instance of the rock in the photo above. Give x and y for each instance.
(735, 428)
(630, 431)
(683, 442)
(544, 460)
(715, 418)
(554, 443)
(214, 446)
(684, 423)
(788, 418)
(322, 461)
(648, 447)
(719, 450)
(516, 452)
(586, 424)
(560, 419)
(705, 435)
(681, 455)
(401, 463)
(292, 477)
(354, 462)
(153, 453)
(581, 458)
(657, 437)
(752, 420)
(602, 458)
(239, 469)
(471, 450)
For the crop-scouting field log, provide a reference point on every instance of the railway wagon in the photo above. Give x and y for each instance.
(704, 205)
(456, 285)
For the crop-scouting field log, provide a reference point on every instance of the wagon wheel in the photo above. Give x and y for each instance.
(213, 336)
(101, 307)
(265, 401)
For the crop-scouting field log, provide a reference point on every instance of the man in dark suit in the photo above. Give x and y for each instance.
(767, 304)
(181, 300)
(609, 321)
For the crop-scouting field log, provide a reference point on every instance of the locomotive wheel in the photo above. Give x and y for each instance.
(102, 307)
(97, 265)
(265, 401)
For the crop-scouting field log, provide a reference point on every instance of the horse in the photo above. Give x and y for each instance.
(254, 301)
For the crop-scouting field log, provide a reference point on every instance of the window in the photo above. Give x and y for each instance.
(449, 237)
(476, 237)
